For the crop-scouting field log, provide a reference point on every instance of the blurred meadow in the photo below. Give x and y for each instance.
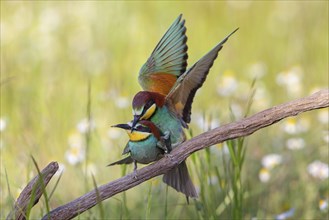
(52, 51)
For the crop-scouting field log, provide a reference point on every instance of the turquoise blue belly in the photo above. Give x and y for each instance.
(145, 151)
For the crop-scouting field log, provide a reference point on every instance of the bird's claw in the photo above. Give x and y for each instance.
(135, 170)
(135, 175)
(168, 155)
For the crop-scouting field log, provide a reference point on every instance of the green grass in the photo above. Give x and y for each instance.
(62, 62)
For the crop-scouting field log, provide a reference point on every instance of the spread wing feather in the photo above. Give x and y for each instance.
(182, 94)
(167, 61)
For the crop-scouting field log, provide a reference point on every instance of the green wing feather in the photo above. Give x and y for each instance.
(169, 56)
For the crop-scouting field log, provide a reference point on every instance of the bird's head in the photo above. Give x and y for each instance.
(141, 131)
(145, 105)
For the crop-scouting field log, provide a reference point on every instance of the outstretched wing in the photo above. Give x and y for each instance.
(167, 61)
(182, 94)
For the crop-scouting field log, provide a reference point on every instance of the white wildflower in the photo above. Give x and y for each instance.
(76, 152)
(286, 215)
(295, 143)
(323, 205)
(85, 125)
(258, 70)
(271, 160)
(264, 175)
(294, 126)
(122, 102)
(291, 80)
(227, 85)
(318, 170)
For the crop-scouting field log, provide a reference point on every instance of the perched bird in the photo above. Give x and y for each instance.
(147, 144)
(159, 74)
(167, 99)
(171, 112)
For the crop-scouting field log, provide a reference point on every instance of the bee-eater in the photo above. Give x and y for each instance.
(146, 144)
(171, 112)
(168, 96)
(159, 74)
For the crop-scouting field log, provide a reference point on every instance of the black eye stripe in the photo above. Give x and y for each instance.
(143, 129)
(147, 106)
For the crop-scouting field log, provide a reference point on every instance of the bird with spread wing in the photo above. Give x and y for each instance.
(166, 101)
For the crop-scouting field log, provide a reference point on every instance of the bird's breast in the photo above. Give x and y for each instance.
(145, 151)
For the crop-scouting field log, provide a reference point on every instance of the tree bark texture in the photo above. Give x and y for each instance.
(32, 192)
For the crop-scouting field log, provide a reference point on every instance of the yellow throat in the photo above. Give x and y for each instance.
(137, 135)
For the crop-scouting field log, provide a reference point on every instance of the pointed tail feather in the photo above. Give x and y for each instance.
(126, 160)
(179, 179)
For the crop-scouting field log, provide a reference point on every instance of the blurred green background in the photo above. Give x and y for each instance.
(51, 50)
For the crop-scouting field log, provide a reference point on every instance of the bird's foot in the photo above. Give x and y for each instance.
(168, 155)
(167, 141)
(135, 175)
(135, 170)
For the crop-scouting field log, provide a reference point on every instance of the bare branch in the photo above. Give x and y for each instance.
(229, 131)
(32, 192)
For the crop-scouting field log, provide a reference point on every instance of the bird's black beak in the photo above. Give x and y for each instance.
(136, 119)
(123, 126)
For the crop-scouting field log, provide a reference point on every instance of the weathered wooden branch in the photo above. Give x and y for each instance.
(32, 192)
(229, 131)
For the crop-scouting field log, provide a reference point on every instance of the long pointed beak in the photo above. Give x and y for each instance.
(134, 122)
(123, 126)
